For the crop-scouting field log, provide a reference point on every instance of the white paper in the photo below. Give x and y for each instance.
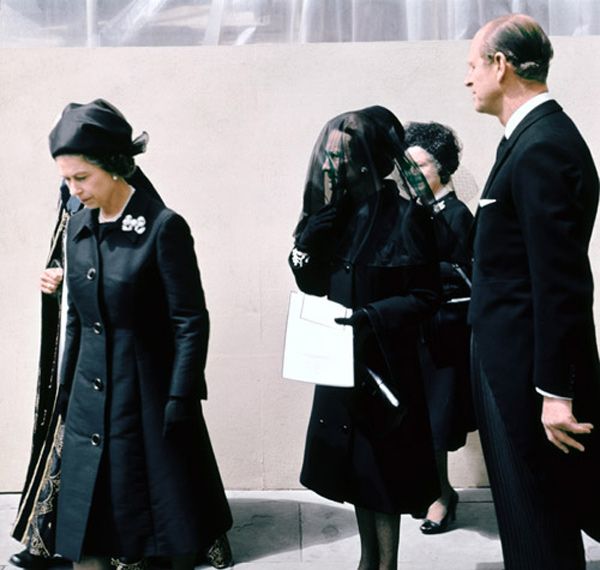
(317, 349)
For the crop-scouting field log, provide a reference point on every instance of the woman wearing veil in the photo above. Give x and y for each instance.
(365, 240)
(138, 474)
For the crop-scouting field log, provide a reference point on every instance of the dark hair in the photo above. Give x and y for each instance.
(523, 42)
(119, 164)
(440, 142)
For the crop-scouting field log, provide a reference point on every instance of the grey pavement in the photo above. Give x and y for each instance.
(298, 530)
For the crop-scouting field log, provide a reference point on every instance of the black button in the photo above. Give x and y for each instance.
(322, 421)
(91, 274)
(345, 429)
(347, 268)
(97, 328)
(98, 384)
(95, 439)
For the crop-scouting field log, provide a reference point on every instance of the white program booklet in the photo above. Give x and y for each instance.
(317, 349)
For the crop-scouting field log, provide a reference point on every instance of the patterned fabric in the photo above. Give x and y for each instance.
(39, 539)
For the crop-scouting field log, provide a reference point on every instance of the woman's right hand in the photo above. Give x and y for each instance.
(51, 279)
(317, 228)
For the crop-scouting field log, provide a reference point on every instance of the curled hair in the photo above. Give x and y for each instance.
(440, 142)
(524, 44)
(120, 164)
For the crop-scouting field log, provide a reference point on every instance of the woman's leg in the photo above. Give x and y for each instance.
(387, 528)
(379, 539)
(369, 547)
(92, 563)
(438, 509)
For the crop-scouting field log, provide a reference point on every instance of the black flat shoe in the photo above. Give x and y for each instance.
(432, 527)
(25, 559)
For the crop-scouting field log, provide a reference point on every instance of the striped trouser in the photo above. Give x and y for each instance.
(535, 535)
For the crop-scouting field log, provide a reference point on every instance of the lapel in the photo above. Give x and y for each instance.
(82, 224)
(531, 118)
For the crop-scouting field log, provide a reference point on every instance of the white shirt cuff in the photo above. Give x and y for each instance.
(543, 393)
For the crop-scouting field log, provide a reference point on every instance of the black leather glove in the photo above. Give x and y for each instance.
(317, 229)
(179, 413)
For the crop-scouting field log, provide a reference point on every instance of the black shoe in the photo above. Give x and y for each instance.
(219, 554)
(25, 559)
(432, 527)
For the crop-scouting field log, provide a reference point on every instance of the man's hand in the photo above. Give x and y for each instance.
(50, 280)
(558, 421)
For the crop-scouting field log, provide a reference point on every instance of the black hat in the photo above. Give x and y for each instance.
(94, 129)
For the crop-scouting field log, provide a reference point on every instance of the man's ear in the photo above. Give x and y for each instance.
(501, 64)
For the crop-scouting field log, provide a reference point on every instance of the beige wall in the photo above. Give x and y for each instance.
(231, 130)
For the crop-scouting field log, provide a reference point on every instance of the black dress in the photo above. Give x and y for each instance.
(445, 358)
(137, 336)
(359, 448)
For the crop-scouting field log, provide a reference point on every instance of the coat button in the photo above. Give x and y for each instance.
(95, 439)
(97, 328)
(347, 268)
(91, 273)
(345, 428)
(98, 384)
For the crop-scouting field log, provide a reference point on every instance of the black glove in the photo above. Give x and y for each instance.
(179, 413)
(317, 229)
(361, 326)
(357, 319)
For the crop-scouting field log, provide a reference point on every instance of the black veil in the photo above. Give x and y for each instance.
(359, 165)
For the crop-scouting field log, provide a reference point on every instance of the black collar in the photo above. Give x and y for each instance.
(83, 222)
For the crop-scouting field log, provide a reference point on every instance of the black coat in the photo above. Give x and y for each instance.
(136, 336)
(446, 359)
(358, 447)
(531, 305)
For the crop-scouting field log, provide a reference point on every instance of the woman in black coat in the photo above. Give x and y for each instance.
(445, 354)
(365, 242)
(139, 478)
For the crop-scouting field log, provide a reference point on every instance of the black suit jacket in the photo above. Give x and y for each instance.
(531, 304)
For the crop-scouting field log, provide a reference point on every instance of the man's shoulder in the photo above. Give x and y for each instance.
(554, 128)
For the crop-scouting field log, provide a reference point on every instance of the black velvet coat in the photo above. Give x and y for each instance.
(359, 448)
(136, 335)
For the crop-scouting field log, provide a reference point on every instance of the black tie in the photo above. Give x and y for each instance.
(501, 147)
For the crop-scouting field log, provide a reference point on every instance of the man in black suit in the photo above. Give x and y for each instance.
(536, 371)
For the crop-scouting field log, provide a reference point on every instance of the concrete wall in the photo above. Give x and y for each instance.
(231, 130)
